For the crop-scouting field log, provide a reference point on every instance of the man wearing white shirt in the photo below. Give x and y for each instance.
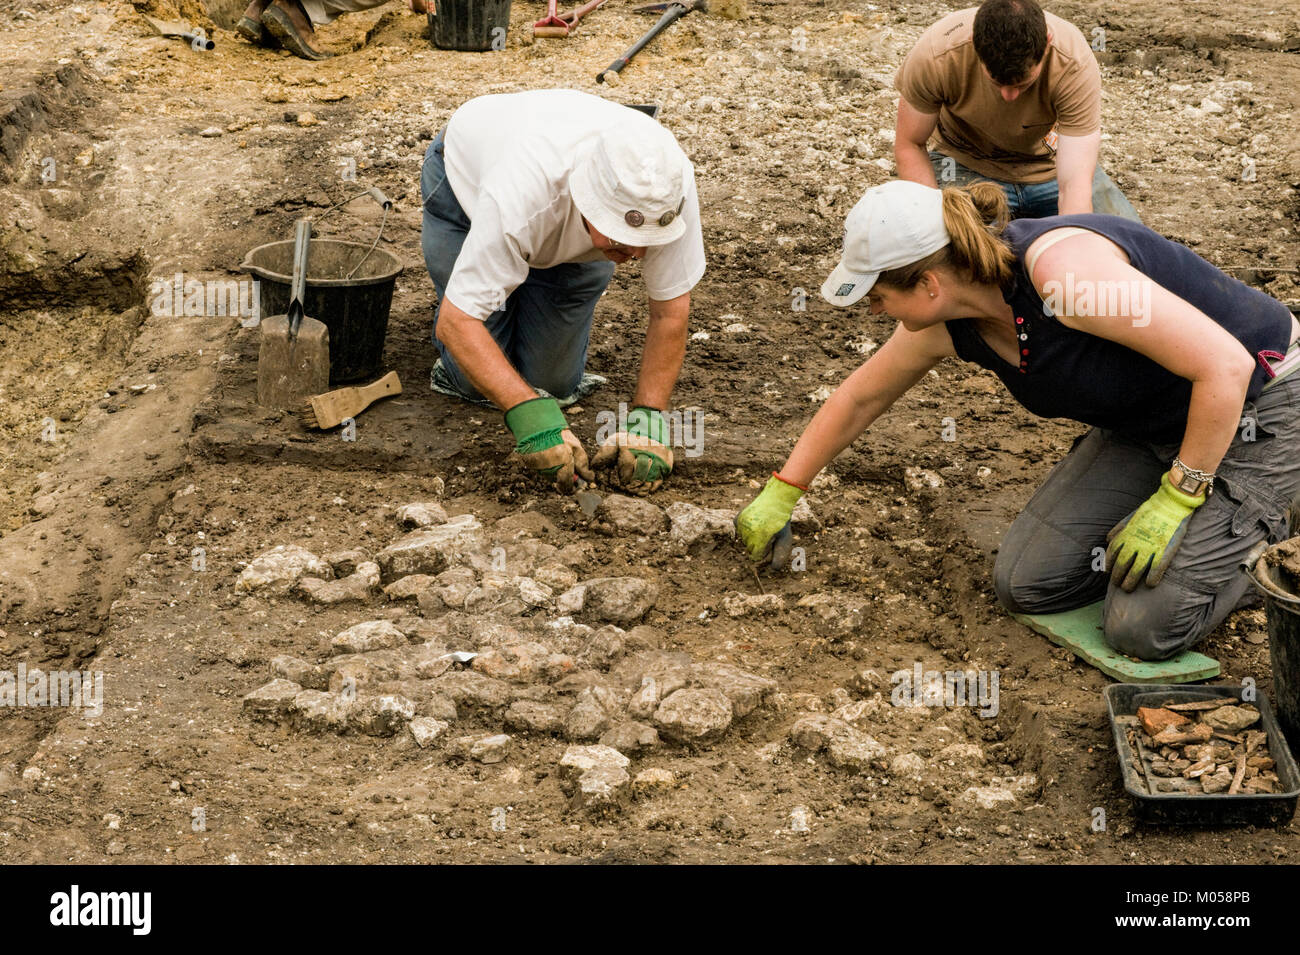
(530, 201)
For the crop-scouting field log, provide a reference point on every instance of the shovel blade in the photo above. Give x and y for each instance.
(290, 371)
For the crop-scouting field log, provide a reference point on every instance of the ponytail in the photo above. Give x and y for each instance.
(975, 216)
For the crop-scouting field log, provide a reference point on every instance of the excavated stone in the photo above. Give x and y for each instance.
(802, 518)
(350, 675)
(535, 717)
(619, 599)
(746, 691)
(590, 716)
(846, 747)
(316, 712)
(381, 715)
(345, 562)
(491, 749)
(694, 715)
(370, 635)
(421, 514)
(603, 648)
(474, 690)
(271, 702)
(380, 664)
(654, 780)
(645, 700)
(412, 585)
(523, 663)
(425, 730)
(555, 575)
(907, 764)
(572, 600)
(752, 605)
(431, 550)
(1231, 719)
(278, 569)
(595, 777)
(497, 593)
(578, 555)
(851, 749)
(299, 671)
(452, 587)
(690, 524)
(357, 587)
(630, 737)
(631, 515)
(520, 525)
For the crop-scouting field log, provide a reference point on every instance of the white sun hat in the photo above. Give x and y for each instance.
(892, 225)
(630, 184)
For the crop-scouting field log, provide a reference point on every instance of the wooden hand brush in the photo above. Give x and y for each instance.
(332, 408)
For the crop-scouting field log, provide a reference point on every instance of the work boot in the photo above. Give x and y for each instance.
(288, 22)
(251, 28)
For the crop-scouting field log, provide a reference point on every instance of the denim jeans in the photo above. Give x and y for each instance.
(545, 326)
(1048, 560)
(1035, 200)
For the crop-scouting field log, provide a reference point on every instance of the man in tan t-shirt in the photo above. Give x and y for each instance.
(1006, 92)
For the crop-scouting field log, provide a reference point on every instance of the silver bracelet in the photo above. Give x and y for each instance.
(1192, 473)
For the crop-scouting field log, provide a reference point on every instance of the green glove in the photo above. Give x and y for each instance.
(766, 520)
(641, 455)
(1144, 543)
(544, 443)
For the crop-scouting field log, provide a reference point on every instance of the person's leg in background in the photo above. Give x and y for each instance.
(552, 314)
(442, 233)
(949, 172)
(1258, 481)
(1039, 199)
(1051, 559)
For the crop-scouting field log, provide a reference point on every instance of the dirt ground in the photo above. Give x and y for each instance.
(129, 438)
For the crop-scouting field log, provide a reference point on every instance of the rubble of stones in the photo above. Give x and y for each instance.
(494, 627)
(503, 631)
(940, 760)
(1202, 746)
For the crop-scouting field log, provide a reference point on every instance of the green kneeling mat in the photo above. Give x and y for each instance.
(1079, 631)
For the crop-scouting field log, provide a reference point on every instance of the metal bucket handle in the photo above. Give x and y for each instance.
(1251, 566)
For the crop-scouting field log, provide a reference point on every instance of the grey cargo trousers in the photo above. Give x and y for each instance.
(1052, 557)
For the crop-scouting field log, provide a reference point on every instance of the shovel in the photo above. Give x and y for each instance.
(293, 362)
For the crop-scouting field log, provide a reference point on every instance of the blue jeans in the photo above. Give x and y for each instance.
(545, 326)
(1035, 200)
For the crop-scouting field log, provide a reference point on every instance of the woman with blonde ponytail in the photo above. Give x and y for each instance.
(1185, 375)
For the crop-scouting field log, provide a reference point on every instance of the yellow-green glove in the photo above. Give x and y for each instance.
(764, 526)
(1144, 543)
(544, 443)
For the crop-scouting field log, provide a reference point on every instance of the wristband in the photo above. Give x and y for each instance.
(536, 424)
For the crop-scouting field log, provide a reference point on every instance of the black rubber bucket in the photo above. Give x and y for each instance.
(354, 309)
(470, 24)
(1281, 591)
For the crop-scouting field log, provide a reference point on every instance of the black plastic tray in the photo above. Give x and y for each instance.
(1203, 809)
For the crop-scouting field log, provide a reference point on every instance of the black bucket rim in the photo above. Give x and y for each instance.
(1272, 589)
(249, 266)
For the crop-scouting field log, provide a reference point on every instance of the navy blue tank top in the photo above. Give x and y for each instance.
(1066, 373)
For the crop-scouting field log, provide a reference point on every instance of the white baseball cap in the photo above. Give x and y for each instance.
(892, 225)
(630, 184)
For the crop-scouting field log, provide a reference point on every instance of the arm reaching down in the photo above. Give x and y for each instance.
(863, 397)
